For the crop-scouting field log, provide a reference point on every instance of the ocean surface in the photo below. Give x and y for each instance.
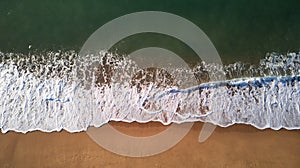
(45, 85)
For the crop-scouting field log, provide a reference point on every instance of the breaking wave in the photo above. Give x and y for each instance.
(52, 91)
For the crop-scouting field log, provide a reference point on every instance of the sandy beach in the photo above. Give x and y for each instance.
(235, 146)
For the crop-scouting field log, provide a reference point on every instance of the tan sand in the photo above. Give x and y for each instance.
(236, 146)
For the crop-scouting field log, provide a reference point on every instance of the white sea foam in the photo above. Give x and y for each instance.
(51, 92)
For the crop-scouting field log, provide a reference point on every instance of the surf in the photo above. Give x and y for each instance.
(53, 91)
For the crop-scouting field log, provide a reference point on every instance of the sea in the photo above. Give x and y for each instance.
(47, 85)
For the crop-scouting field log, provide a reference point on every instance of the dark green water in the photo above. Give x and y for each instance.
(241, 30)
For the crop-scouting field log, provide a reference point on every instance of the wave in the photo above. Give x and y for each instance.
(52, 91)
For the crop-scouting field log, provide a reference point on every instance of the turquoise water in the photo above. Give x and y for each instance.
(240, 30)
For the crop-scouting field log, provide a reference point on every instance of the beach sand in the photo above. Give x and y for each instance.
(235, 146)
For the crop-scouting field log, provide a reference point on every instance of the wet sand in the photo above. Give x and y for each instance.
(235, 146)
